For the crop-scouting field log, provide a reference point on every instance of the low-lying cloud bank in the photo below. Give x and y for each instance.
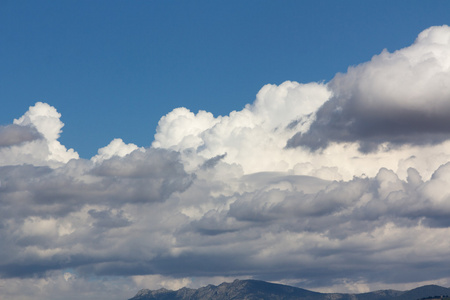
(341, 184)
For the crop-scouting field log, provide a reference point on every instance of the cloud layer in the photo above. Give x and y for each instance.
(337, 185)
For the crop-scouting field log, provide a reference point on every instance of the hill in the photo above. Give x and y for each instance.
(255, 289)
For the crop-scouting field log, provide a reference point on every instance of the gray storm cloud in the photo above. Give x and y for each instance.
(218, 198)
(397, 98)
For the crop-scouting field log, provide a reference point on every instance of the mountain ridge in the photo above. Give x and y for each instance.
(256, 289)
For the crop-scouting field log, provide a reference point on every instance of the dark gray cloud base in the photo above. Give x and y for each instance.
(12, 135)
(314, 229)
(38, 202)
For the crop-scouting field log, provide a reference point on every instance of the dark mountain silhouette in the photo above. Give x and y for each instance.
(424, 292)
(261, 290)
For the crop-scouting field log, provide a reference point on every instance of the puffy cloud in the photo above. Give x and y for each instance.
(66, 217)
(399, 98)
(255, 209)
(251, 137)
(116, 147)
(255, 139)
(14, 135)
(221, 197)
(46, 120)
(33, 139)
(285, 226)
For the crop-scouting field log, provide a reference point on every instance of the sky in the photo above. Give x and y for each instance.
(149, 144)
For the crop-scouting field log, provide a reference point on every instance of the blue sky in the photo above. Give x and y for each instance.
(113, 68)
(299, 142)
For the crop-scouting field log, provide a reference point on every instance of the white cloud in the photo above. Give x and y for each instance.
(398, 98)
(44, 118)
(117, 147)
(222, 197)
(253, 137)
(33, 139)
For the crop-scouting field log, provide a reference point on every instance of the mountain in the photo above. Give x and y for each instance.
(424, 292)
(261, 290)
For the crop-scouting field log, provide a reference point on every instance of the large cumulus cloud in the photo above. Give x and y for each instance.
(58, 213)
(33, 138)
(251, 137)
(222, 197)
(397, 98)
(282, 226)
